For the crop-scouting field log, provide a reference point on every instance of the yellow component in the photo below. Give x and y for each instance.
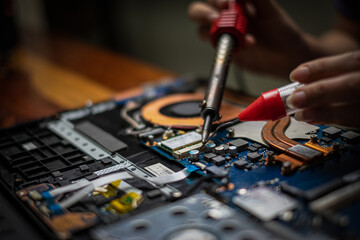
(126, 203)
(181, 132)
(108, 190)
(325, 150)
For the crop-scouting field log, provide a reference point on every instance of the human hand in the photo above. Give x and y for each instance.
(332, 90)
(273, 44)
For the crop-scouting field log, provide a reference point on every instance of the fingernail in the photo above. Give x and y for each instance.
(289, 102)
(213, 16)
(300, 74)
(297, 100)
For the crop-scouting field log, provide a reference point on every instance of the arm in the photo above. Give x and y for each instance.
(274, 38)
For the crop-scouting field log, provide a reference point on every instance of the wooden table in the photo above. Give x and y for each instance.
(49, 74)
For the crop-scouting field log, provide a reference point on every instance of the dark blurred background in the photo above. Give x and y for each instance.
(158, 32)
(58, 54)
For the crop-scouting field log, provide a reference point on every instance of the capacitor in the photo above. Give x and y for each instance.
(233, 151)
(219, 150)
(151, 140)
(210, 147)
(231, 133)
(194, 155)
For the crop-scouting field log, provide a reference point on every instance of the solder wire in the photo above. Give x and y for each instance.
(225, 124)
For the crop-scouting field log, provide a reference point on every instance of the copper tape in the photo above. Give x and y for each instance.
(269, 137)
(151, 111)
(270, 133)
(325, 150)
(279, 132)
(293, 166)
(274, 134)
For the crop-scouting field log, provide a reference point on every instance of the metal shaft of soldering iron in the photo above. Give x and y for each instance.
(214, 93)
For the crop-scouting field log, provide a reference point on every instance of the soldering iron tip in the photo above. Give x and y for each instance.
(204, 137)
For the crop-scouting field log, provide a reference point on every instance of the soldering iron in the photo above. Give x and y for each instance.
(227, 35)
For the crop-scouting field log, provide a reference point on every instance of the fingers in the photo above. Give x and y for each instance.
(332, 95)
(346, 115)
(202, 13)
(264, 8)
(249, 40)
(326, 67)
(219, 4)
(344, 88)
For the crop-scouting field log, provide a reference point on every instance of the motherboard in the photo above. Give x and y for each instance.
(135, 168)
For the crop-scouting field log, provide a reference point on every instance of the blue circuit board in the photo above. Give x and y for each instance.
(305, 179)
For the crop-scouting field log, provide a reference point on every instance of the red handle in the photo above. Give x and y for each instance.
(232, 21)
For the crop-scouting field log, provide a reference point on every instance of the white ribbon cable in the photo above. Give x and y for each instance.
(69, 188)
(94, 184)
(174, 177)
(123, 176)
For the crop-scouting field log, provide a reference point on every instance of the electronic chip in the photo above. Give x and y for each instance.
(240, 144)
(350, 137)
(331, 132)
(240, 164)
(256, 145)
(218, 172)
(209, 156)
(181, 141)
(252, 149)
(218, 160)
(326, 140)
(253, 156)
(264, 203)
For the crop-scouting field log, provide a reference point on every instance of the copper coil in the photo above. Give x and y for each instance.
(151, 111)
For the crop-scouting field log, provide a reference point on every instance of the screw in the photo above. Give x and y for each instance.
(314, 138)
(286, 168)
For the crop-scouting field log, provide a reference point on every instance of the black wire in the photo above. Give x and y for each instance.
(194, 186)
(225, 124)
